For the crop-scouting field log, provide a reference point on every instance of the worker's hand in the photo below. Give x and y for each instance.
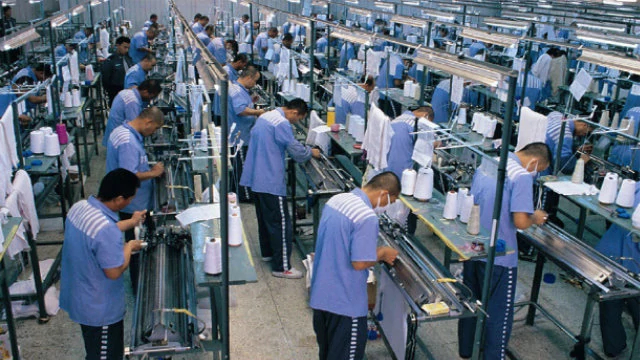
(315, 153)
(255, 98)
(136, 245)
(24, 119)
(587, 148)
(387, 254)
(158, 169)
(139, 216)
(539, 217)
(585, 157)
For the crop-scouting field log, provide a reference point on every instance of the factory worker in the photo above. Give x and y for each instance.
(532, 92)
(475, 47)
(138, 72)
(345, 250)
(140, 44)
(391, 75)
(205, 36)
(353, 100)
(232, 49)
(10, 93)
(241, 28)
(440, 102)
(347, 52)
(242, 116)
(621, 246)
(402, 141)
(517, 212)
(256, 30)
(128, 104)
(104, 42)
(264, 172)
(558, 73)
(633, 99)
(626, 153)
(322, 43)
(200, 25)
(84, 34)
(380, 45)
(263, 43)
(115, 68)
(153, 19)
(196, 19)
(63, 49)
(542, 68)
(31, 75)
(93, 261)
(217, 49)
(238, 64)
(126, 150)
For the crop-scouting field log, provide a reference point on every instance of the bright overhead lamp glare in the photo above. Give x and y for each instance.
(385, 6)
(356, 2)
(520, 16)
(35, 1)
(438, 15)
(95, 2)
(597, 25)
(409, 21)
(18, 39)
(78, 10)
(410, 3)
(356, 38)
(507, 24)
(611, 60)
(616, 40)
(59, 20)
(294, 1)
(490, 37)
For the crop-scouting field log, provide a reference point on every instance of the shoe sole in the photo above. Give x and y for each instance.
(283, 276)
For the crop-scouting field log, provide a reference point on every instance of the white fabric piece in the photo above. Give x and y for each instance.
(22, 185)
(568, 188)
(533, 128)
(394, 61)
(542, 67)
(377, 138)
(19, 243)
(423, 148)
(314, 122)
(104, 43)
(74, 67)
(374, 59)
(9, 139)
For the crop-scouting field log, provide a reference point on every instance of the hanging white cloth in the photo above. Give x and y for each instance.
(74, 67)
(542, 67)
(9, 139)
(22, 185)
(374, 58)
(533, 128)
(104, 43)
(19, 243)
(423, 148)
(377, 138)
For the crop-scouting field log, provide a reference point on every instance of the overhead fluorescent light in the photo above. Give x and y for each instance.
(298, 21)
(20, 38)
(35, 1)
(385, 6)
(490, 37)
(612, 2)
(520, 16)
(409, 21)
(360, 12)
(507, 24)
(294, 1)
(546, 6)
(95, 2)
(611, 60)
(438, 15)
(77, 10)
(411, 2)
(350, 36)
(450, 8)
(597, 25)
(245, 3)
(616, 40)
(356, 2)
(487, 74)
(59, 20)
(319, 3)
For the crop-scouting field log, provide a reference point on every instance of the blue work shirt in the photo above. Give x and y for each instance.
(217, 49)
(25, 72)
(401, 148)
(126, 150)
(554, 125)
(92, 243)
(618, 242)
(60, 51)
(147, 24)
(126, 106)
(204, 38)
(440, 102)
(139, 41)
(264, 168)
(239, 101)
(321, 45)
(347, 52)
(348, 232)
(517, 197)
(475, 48)
(6, 99)
(532, 92)
(197, 28)
(386, 77)
(631, 102)
(135, 76)
(628, 154)
(262, 41)
(351, 103)
(233, 73)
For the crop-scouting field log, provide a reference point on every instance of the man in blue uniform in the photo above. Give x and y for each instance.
(128, 104)
(115, 68)
(391, 76)
(346, 248)
(81, 35)
(264, 42)
(93, 261)
(517, 212)
(217, 48)
(153, 19)
(140, 44)
(138, 73)
(200, 25)
(32, 75)
(347, 52)
(621, 246)
(402, 141)
(238, 25)
(242, 116)
(205, 36)
(353, 99)
(238, 64)
(264, 172)
(440, 101)
(126, 150)
(626, 153)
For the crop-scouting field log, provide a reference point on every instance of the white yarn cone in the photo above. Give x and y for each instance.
(424, 185)
(626, 195)
(578, 172)
(635, 218)
(609, 189)
(616, 121)
(409, 177)
(473, 226)
(37, 141)
(604, 119)
(462, 192)
(51, 145)
(462, 116)
(451, 206)
(467, 205)
(213, 256)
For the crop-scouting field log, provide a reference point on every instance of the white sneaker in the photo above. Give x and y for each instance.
(288, 274)
(266, 258)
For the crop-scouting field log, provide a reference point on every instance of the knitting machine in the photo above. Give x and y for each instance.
(164, 321)
(426, 283)
(324, 177)
(454, 169)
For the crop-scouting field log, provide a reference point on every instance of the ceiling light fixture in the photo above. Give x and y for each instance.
(490, 37)
(616, 40)
(507, 24)
(610, 60)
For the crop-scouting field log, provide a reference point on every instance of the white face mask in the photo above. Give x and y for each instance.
(533, 173)
(379, 210)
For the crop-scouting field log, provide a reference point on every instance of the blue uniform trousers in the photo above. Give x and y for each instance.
(274, 229)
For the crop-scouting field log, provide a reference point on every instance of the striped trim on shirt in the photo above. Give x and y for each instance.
(234, 89)
(554, 125)
(121, 135)
(273, 117)
(350, 94)
(515, 170)
(133, 69)
(87, 218)
(409, 119)
(351, 206)
(128, 95)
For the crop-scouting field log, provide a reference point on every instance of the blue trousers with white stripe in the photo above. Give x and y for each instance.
(274, 229)
(500, 309)
(104, 342)
(339, 337)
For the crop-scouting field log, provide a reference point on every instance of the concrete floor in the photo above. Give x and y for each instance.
(271, 318)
